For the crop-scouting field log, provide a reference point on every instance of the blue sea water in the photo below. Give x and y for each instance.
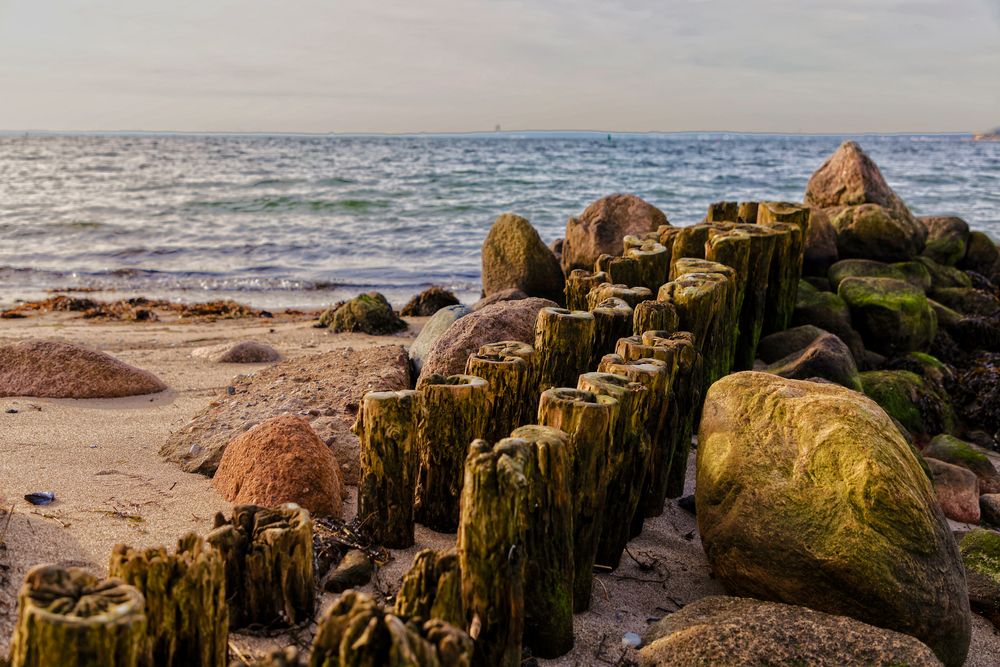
(301, 221)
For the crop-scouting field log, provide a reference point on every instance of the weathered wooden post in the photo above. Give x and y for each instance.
(563, 342)
(690, 242)
(630, 295)
(782, 287)
(588, 419)
(268, 557)
(527, 404)
(67, 617)
(723, 211)
(612, 320)
(578, 286)
(356, 632)
(732, 248)
(748, 212)
(548, 584)
(390, 457)
(762, 240)
(509, 381)
(453, 412)
(187, 620)
(654, 263)
(654, 316)
(769, 212)
(702, 302)
(491, 550)
(432, 588)
(620, 270)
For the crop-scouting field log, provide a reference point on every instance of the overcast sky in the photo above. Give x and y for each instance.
(465, 65)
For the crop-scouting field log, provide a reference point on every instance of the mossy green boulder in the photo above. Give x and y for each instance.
(942, 275)
(915, 403)
(807, 494)
(829, 312)
(912, 272)
(957, 452)
(869, 231)
(514, 256)
(968, 301)
(368, 313)
(947, 236)
(981, 555)
(892, 316)
(981, 255)
(730, 632)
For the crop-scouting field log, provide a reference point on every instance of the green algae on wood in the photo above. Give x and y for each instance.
(612, 320)
(453, 412)
(387, 429)
(654, 316)
(578, 286)
(630, 295)
(563, 343)
(432, 588)
(67, 616)
(187, 619)
(653, 261)
(511, 383)
(781, 292)
(620, 270)
(588, 420)
(751, 320)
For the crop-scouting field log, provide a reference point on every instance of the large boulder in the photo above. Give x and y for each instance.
(981, 255)
(911, 400)
(280, 461)
(52, 369)
(507, 320)
(512, 294)
(732, 632)
(914, 273)
(780, 344)
(848, 178)
(431, 331)
(825, 357)
(829, 312)
(981, 554)
(601, 227)
(325, 388)
(428, 302)
(892, 316)
(368, 313)
(869, 231)
(957, 490)
(957, 452)
(944, 276)
(968, 301)
(947, 237)
(820, 246)
(514, 256)
(807, 494)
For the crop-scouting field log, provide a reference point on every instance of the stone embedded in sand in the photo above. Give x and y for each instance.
(869, 231)
(849, 177)
(368, 313)
(602, 226)
(892, 316)
(52, 369)
(808, 494)
(244, 352)
(431, 331)
(957, 490)
(947, 237)
(326, 388)
(428, 302)
(981, 555)
(824, 357)
(280, 461)
(957, 452)
(507, 320)
(727, 631)
(514, 256)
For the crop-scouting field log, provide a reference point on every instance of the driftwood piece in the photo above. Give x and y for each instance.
(387, 429)
(782, 284)
(432, 588)
(654, 316)
(620, 270)
(512, 393)
(578, 286)
(187, 619)
(356, 632)
(653, 261)
(491, 550)
(453, 412)
(268, 555)
(548, 540)
(587, 419)
(68, 618)
(563, 343)
(612, 320)
(762, 240)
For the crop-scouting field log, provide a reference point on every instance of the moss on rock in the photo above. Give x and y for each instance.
(869, 231)
(917, 405)
(368, 313)
(892, 316)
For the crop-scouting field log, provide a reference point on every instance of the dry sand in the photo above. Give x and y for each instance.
(100, 457)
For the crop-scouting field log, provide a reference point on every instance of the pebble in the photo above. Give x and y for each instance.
(631, 639)
(11, 411)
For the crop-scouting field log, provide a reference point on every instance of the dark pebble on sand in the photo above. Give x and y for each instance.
(686, 503)
(11, 411)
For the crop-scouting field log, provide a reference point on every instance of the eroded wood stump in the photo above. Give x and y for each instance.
(732, 248)
(587, 419)
(548, 582)
(690, 242)
(453, 412)
(491, 550)
(268, 556)
(187, 619)
(356, 632)
(612, 320)
(578, 286)
(563, 343)
(654, 316)
(630, 295)
(782, 285)
(723, 211)
(432, 588)
(702, 302)
(67, 617)
(508, 368)
(748, 212)
(653, 261)
(769, 212)
(390, 456)
(620, 270)
(762, 240)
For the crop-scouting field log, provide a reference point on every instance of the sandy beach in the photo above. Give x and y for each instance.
(101, 459)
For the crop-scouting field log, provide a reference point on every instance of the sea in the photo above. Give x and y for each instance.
(302, 221)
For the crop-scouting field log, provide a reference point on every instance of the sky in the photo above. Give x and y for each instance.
(469, 65)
